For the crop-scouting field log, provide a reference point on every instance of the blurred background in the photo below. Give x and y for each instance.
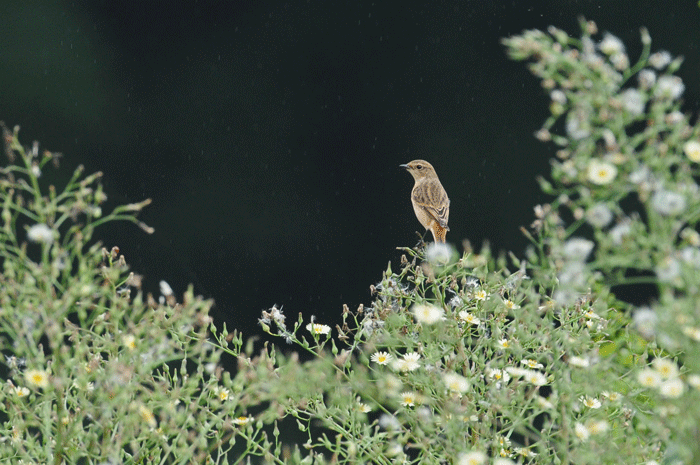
(269, 133)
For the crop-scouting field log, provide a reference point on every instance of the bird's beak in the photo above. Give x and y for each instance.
(403, 166)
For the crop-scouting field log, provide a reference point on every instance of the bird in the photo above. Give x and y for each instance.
(429, 199)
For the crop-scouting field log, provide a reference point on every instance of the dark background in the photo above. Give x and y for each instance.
(269, 134)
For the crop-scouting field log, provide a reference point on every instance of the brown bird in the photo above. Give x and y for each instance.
(429, 199)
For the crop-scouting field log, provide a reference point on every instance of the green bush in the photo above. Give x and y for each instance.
(466, 359)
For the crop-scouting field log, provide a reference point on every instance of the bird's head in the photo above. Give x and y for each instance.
(419, 169)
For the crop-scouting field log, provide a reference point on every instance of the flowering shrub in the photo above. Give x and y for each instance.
(466, 359)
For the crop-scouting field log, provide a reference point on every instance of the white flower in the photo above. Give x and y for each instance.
(317, 329)
(694, 381)
(597, 426)
(668, 203)
(672, 388)
(633, 101)
(456, 383)
(242, 420)
(646, 78)
(668, 270)
(649, 377)
(581, 431)
(469, 318)
(579, 361)
(40, 233)
(408, 399)
(577, 248)
(427, 314)
(165, 289)
(535, 377)
(644, 320)
(438, 254)
(611, 45)
(590, 402)
(669, 87)
(21, 391)
(481, 295)
(620, 231)
(601, 173)
(665, 367)
(498, 375)
(38, 378)
(382, 358)
(409, 362)
(472, 458)
(692, 150)
(599, 215)
(578, 124)
(692, 332)
(660, 60)
(364, 408)
(532, 363)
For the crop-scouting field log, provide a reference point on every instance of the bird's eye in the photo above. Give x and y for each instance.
(420, 167)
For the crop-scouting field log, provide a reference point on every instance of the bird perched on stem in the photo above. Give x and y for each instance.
(429, 199)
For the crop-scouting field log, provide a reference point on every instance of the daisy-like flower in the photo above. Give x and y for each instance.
(40, 233)
(21, 391)
(456, 383)
(692, 150)
(601, 173)
(503, 343)
(469, 318)
(318, 329)
(597, 426)
(382, 358)
(408, 399)
(427, 314)
(672, 388)
(129, 341)
(481, 295)
(222, 393)
(532, 363)
(535, 377)
(590, 402)
(692, 332)
(649, 377)
(581, 431)
(510, 305)
(472, 458)
(611, 396)
(409, 362)
(579, 361)
(242, 420)
(38, 378)
(665, 367)
(498, 375)
(694, 381)
(362, 407)
(517, 372)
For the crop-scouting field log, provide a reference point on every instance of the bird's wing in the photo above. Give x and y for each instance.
(433, 198)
